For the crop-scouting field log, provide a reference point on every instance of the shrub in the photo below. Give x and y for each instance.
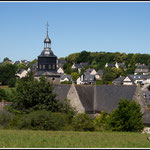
(127, 117)
(101, 121)
(5, 118)
(83, 122)
(43, 120)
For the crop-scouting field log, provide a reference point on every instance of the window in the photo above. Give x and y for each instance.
(43, 66)
(53, 66)
(40, 66)
(49, 66)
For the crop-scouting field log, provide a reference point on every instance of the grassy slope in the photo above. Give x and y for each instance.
(70, 139)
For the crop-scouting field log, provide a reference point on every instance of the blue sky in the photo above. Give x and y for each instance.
(74, 27)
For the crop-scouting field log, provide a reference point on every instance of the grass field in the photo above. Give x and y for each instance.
(71, 139)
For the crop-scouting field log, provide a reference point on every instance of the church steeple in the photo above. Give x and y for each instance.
(47, 40)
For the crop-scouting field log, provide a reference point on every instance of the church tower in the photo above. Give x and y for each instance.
(47, 60)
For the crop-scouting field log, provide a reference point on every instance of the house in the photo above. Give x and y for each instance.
(60, 62)
(83, 64)
(65, 78)
(86, 79)
(90, 71)
(141, 69)
(128, 81)
(60, 70)
(118, 65)
(109, 65)
(99, 75)
(77, 66)
(17, 62)
(118, 80)
(22, 73)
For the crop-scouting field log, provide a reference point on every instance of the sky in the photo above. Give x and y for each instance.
(73, 27)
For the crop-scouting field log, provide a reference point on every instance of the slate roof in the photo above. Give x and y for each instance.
(86, 95)
(118, 80)
(108, 96)
(47, 73)
(66, 76)
(61, 61)
(100, 72)
(84, 64)
(61, 91)
(139, 77)
(21, 71)
(111, 65)
(78, 66)
(88, 71)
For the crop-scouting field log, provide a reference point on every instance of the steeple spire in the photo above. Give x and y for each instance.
(47, 28)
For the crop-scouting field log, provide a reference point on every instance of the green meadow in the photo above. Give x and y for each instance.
(71, 139)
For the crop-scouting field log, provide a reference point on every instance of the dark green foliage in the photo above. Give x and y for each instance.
(2, 94)
(32, 95)
(12, 82)
(127, 117)
(65, 107)
(7, 73)
(5, 118)
(83, 57)
(83, 122)
(67, 68)
(43, 120)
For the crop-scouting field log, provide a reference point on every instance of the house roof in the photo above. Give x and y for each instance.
(108, 96)
(139, 77)
(88, 71)
(66, 76)
(84, 64)
(111, 65)
(61, 61)
(119, 79)
(21, 71)
(86, 95)
(100, 72)
(78, 66)
(61, 91)
(47, 73)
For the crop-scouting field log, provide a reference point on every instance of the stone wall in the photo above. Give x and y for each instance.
(74, 100)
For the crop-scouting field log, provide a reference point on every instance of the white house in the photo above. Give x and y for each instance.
(60, 70)
(22, 73)
(65, 78)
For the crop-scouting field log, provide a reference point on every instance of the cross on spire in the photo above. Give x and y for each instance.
(47, 27)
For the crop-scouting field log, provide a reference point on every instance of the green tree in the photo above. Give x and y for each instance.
(33, 95)
(7, 72)
(2, 94)
(126, 117)
(75, 76)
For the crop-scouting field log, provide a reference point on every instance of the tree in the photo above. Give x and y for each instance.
(33, 95)
(75, 76)
(127, 117)
(6, 59)
(2, 94)
(7, 72)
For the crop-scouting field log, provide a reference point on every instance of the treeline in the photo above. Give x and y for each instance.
(98, 60)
